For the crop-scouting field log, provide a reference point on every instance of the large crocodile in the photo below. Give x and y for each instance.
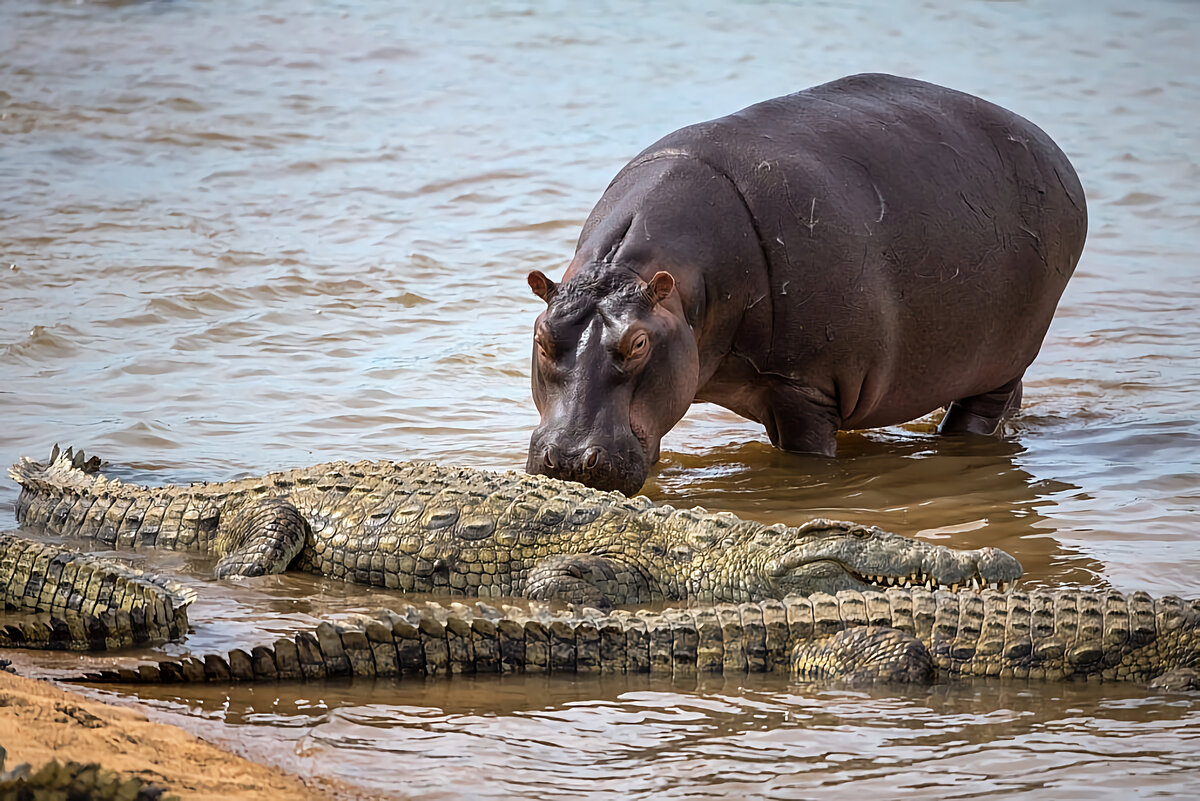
(900, 634)
(418, 527)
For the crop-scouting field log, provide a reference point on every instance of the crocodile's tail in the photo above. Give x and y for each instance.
(65, 470)
(67, 474)
(900, 635)
(73, 601)
(68, 496)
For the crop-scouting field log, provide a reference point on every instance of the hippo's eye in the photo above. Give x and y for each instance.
(638, 346)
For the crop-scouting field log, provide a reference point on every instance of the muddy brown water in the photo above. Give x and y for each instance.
(247, 235)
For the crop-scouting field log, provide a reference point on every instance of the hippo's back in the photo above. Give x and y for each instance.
(917, 239)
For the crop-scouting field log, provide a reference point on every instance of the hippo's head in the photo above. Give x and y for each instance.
(614, 368)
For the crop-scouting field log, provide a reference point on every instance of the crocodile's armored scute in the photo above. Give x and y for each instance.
(986, 635)
(78, 602)
(418, 527)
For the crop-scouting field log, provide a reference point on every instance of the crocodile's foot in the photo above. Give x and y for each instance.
(864, 655)
(585, 579)
(263, 538)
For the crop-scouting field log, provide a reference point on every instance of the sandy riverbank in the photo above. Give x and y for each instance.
(40, 721)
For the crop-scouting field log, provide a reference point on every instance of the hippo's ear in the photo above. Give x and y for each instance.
(542, 286)
(659, 287)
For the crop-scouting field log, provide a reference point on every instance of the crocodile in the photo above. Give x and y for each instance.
(897, 635)
(419, 527)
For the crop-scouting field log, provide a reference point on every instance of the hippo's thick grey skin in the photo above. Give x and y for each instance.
(853, 255)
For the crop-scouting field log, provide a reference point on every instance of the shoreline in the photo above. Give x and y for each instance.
(40, 721)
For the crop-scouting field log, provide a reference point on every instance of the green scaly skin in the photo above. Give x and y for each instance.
(897, 635)
(418, 527)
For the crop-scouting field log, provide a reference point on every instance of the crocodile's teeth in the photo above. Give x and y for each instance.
(975, 583)
(929, 584)
(954, 588)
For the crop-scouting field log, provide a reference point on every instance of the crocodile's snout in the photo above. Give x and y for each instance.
(997, 566)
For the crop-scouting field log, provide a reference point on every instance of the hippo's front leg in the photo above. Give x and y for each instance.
(802, 420)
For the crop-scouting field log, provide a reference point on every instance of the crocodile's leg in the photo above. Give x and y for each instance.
(262, 538)
(588, 579)
(864, 654)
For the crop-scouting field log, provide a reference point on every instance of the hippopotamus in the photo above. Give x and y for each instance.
(854, 255)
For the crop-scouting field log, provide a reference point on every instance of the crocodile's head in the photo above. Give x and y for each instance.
(827, 556)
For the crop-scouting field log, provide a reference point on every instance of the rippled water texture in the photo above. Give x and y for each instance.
(248, 235)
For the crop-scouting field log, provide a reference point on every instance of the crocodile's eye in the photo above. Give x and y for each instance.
(860, 533)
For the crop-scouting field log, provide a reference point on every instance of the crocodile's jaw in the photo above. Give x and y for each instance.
(843, 556)
(827, 575)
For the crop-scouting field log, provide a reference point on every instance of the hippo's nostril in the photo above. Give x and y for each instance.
(592, 456)
(548, 459)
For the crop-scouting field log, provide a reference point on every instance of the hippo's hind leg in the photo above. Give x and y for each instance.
(981, 414)
(588, 579)
(262, 538)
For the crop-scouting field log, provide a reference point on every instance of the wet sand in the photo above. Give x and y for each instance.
(40, 721)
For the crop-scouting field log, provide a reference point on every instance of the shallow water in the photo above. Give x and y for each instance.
(257, 234)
